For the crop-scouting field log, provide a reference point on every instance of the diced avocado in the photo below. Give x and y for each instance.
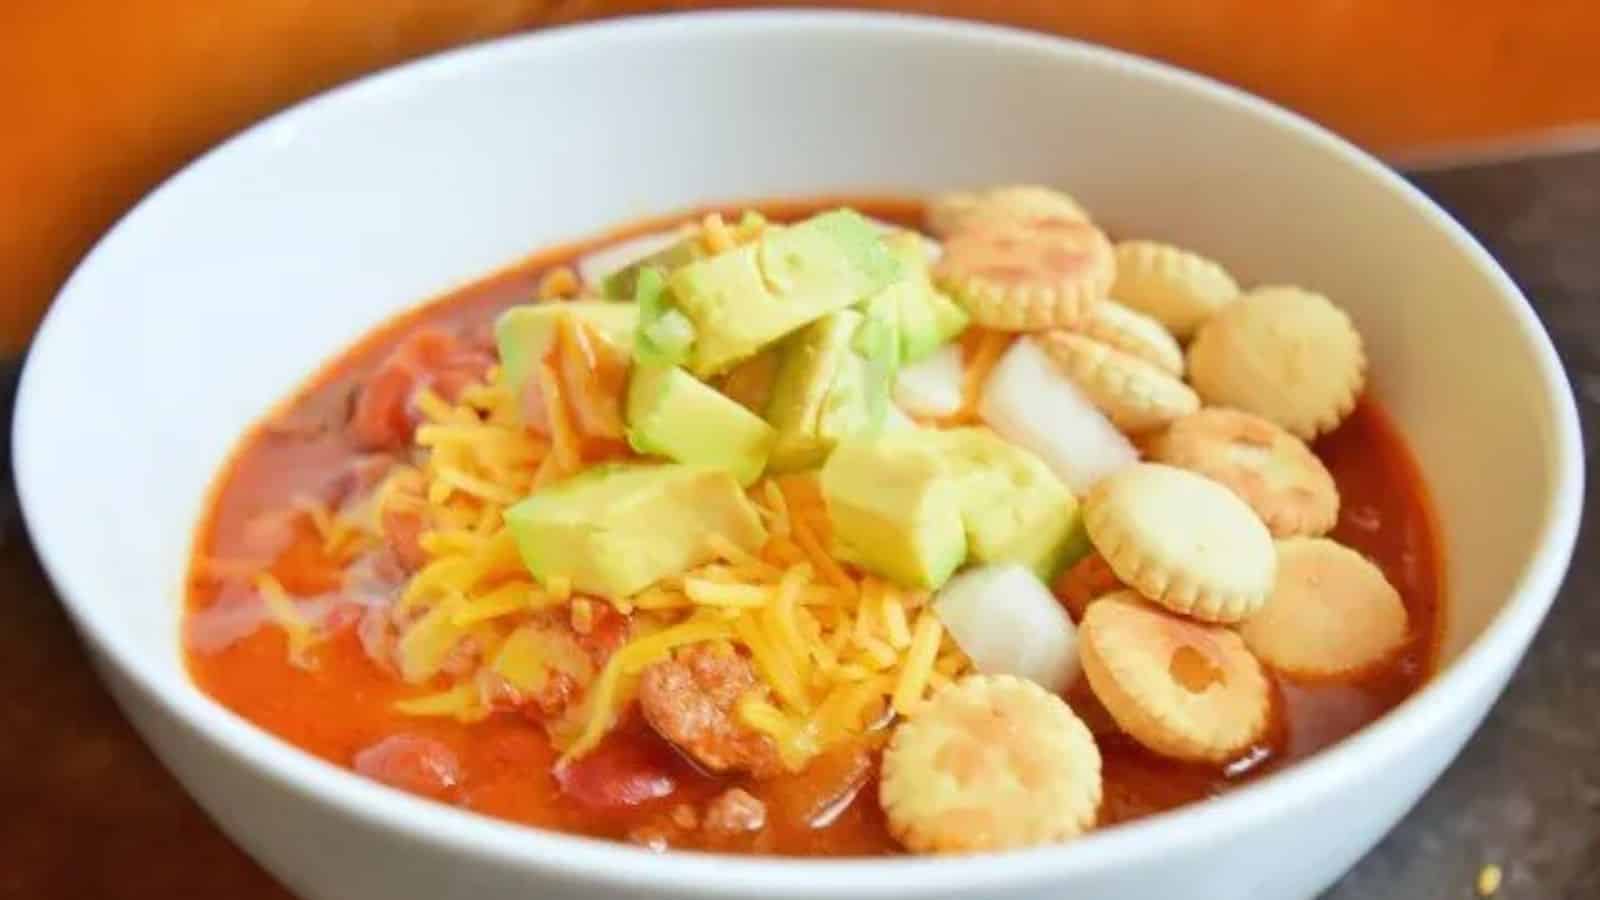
(621, 284)
(817, 370)
(927, 317)
(750, 383)
(664, 335)
(877, 344)
(878, 338)
(835, 378)
(1008, 506)
(894, 509)
(928, 320)
(741, 300)
(672, 414)
(615, 529)
(853, 406)
(523, 333)
(1013, 506)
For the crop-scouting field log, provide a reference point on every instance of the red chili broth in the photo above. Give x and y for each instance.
(345, 703)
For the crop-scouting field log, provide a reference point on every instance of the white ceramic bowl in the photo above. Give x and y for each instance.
(238, 278)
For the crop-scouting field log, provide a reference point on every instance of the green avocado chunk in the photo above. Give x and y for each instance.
(671, 414)
(621, 284)
(523, 333)
(615, 529)
(927, 318)
(808, 364)
(834, 382)
(663, 336)
(750, 383)
(741, 300)
(1014, 508)
(895, 500)
(894, 509)
(877, 343)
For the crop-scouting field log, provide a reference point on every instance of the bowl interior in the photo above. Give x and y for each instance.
(239, 278)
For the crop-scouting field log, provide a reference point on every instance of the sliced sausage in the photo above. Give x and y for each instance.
(691, 702)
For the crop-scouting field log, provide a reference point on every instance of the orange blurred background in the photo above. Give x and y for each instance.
(106, 97)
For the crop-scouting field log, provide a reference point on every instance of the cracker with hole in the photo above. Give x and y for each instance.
(992, 762)
(1285, 354)
(1269, 468)
(1331, 614)
(1183, 689)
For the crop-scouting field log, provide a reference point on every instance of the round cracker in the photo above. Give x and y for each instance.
(1027, 275)
(1285, 354)
(1179, 289)
(1182, 540)
(1183, 689)
(991, 762)
(1331, 613)
(1135, 395)
(1134, 333)
(1269, 468)
(953, 212)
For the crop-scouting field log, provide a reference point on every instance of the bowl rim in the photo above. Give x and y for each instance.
(608, 863)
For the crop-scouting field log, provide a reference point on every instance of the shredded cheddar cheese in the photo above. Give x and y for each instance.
(835, 651)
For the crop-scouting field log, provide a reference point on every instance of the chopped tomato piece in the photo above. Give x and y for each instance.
(383, 418)
(411, 763)
(235, 614)
(430, 348)
(354, 479)
(629, 768)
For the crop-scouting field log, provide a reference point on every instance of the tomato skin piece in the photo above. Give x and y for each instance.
(381, 420)
(626, 770)
(412, 763)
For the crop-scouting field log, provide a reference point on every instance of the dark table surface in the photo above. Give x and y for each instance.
(86, 811)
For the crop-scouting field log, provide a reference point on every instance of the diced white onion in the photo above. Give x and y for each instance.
(1008, 623)
(931, 387)
(596, 265)
(1029, 402)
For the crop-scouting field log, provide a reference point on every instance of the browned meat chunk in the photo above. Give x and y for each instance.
(691, 702)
